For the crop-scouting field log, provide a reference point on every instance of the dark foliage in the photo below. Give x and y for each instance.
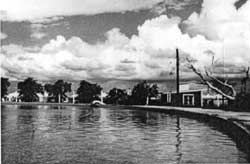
(88, 92)
(141, 91)
(4, 86)
(58, 90)
(117, 96)
(241, 103)
(28, 90)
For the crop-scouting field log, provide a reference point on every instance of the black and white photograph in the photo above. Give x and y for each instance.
(125, 81)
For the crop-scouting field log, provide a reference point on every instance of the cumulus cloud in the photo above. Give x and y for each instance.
(148, 55)
(220, 20)
(3, 36)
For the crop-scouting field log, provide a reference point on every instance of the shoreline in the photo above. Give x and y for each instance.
(42, 103)
(235, 124)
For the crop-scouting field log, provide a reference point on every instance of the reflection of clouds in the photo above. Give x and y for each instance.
(104, 115)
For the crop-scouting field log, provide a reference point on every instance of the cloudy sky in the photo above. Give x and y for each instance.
(122, 39)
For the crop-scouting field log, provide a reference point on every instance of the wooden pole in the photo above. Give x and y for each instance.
(177, 78)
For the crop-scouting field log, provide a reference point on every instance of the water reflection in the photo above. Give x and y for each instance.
(59, 107)
(28, 107)
(178, 139)
(98, 135)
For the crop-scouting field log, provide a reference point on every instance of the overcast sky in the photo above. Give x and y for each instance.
(122, 39)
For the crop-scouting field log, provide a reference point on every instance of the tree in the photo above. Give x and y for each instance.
(58, 90)
(117, 96)
(244, 80)
(242, 102)
(28, 90)
(4, 86)
(142, 92)
(88, 92)
(218, 85)
(221, 86)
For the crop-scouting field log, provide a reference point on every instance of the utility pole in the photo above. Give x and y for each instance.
(177, 78)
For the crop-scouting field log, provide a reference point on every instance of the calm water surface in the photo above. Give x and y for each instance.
(47, 134)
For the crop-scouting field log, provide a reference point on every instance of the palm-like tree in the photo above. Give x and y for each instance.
(142, 92)
(117, 96)
(4, 86)
(28, 90)
(58, 90)
(88, 92)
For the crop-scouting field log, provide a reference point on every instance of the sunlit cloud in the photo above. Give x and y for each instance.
(150, 54)
(3, 36)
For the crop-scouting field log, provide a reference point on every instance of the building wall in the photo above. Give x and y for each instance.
(180, 99)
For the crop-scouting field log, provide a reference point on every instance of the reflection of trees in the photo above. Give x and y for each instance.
(25, 115)
(87, 114)
(145, 117)
(26, 130)
(59, 117)
(119, 115)
(59, 107)
(28, 107)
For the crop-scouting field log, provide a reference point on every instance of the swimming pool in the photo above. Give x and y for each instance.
(71, 134)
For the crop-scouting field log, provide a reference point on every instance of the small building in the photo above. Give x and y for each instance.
(43, 97)
(13, 97)
(71, 97)
(194, 95)
(192, 98)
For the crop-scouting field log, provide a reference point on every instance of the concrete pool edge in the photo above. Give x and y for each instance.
(236, 124)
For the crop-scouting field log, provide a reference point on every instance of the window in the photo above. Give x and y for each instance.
(188, 99)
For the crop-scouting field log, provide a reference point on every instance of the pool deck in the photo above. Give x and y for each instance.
(242, 119)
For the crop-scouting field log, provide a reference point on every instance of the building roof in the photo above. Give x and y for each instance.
(13, 94)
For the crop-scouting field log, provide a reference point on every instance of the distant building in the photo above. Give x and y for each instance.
(43, 97)
(71, 97)
(102, 95)
(13, 97)
(194, 95)
(129, 91)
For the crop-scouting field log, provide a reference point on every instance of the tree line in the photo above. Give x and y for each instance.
(86, 93)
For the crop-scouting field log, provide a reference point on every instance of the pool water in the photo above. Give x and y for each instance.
(71, 134)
